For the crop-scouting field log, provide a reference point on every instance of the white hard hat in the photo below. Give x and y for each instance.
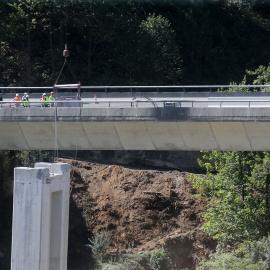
(25, 93)
(17, 95)
(44, 94)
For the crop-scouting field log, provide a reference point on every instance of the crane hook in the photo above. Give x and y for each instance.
(66, 52)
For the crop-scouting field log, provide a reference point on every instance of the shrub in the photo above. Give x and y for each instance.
(99, 245)
(122, 266)
(124, 262)
(253, 255)
(228, 261)
(159, 260)
(260, 252)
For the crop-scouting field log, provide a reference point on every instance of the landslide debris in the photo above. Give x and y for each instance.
(142, 208)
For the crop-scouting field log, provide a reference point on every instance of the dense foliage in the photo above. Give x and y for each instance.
(237, 187)
(132, 42)
(251, 255)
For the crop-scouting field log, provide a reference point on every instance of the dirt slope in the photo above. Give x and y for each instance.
(140, 208)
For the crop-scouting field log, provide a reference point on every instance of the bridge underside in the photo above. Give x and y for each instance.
(135, 129)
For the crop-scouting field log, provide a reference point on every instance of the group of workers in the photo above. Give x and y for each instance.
(46, 101)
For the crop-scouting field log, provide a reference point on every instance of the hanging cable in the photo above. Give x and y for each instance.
(55, 133)
(66, 21)
(60, 73)
(66, 55)
(74, 77)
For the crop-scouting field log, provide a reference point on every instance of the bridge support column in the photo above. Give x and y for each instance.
(40, 217)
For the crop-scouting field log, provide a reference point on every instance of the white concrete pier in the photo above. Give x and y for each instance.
(40, 217)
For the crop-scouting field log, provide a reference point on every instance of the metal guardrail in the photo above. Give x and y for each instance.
(182, 88)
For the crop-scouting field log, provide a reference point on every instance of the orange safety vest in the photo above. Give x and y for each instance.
(17, 99)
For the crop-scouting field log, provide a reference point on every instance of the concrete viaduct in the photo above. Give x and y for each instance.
(43, 192)
(160, 128)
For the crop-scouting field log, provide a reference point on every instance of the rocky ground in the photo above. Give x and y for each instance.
(141, 208)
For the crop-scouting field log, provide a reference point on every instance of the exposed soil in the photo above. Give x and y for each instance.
(140, 208)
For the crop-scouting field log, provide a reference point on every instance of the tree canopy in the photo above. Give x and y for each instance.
(132, 42)
(237, 187)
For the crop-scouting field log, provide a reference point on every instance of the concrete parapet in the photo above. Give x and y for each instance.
(40, 217)
(160, 114)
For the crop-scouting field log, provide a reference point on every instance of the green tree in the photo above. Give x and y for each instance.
(28, 158)
(132, 42)
(259, 76)
(161, 61)
(237, 187)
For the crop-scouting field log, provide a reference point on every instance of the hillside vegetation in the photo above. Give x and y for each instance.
(115, 42)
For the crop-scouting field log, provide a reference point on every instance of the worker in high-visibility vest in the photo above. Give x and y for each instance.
(45, 100)
(25, 100)
(18, 100)
(51, 98)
